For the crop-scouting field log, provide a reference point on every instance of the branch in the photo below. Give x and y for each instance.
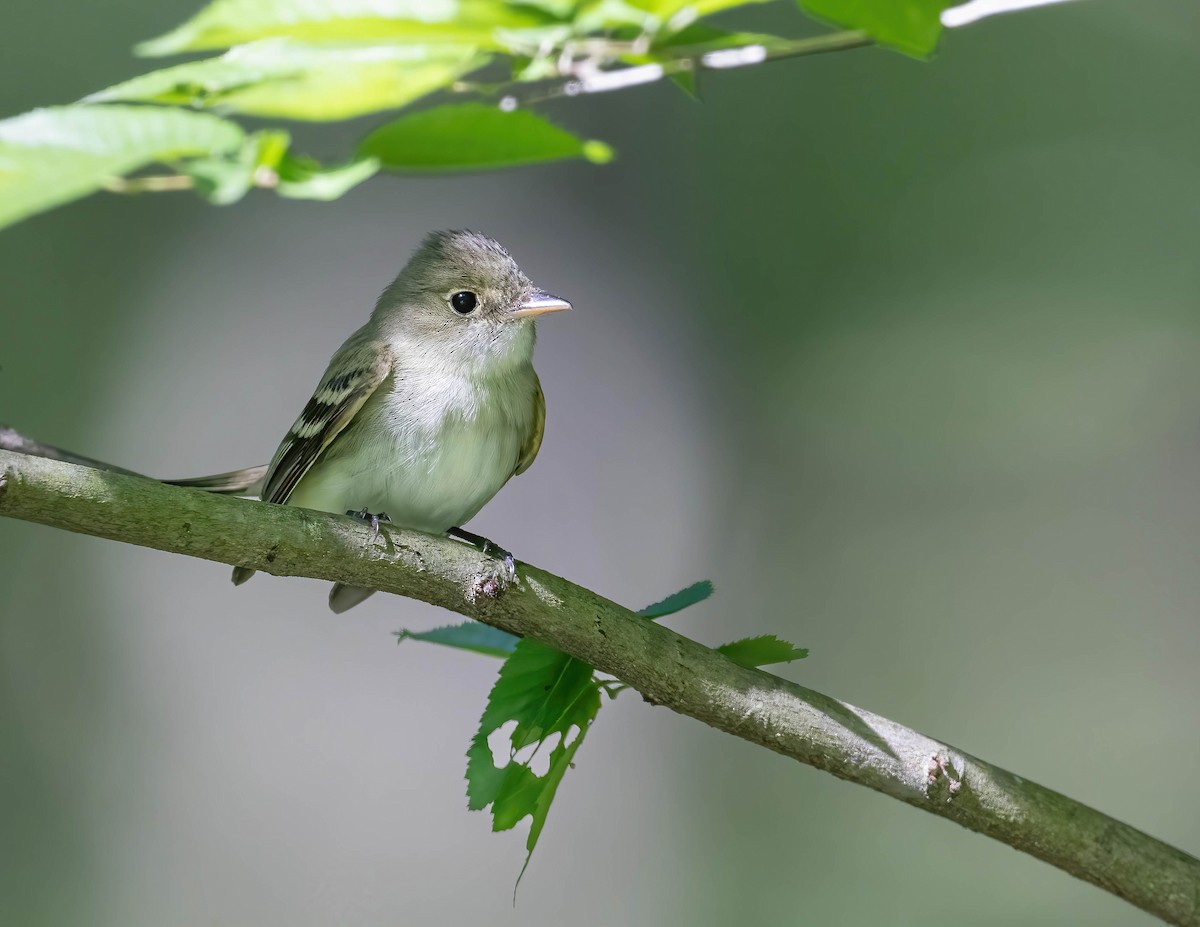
(590, 74)
(12, 440)
(665, 667)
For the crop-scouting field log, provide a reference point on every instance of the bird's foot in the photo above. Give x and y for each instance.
(372, 520)
(489, 548)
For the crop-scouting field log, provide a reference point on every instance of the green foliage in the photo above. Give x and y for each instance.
(551, 699)
(281, 77)
(264, 160)
(665, 9)
(763, 650)
(542, 706)
(909, 26)
(51, 156)
(304, 178)
(225, 23)
(678, 601)
(327, 60)
(472, 136)
(470, 635)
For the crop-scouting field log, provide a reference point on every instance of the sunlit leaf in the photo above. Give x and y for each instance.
(762, 651)
(678, 601)
(609, 15)
(470, 635)
(303, 178)
(280, 77)
(473, 136)
(550, 699)
(698, 38)
(688, 10)
(231, 22)
(52, 156)
(910, 26)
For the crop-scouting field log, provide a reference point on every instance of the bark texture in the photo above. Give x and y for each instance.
(667, 668)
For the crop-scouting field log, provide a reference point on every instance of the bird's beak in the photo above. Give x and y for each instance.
(539, 302)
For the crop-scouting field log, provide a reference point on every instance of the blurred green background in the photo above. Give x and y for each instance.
(905, 357)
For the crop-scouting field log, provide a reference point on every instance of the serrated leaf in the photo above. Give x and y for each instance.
(224, 23)
(548, 695)
(292, 80)
(470, 635)
(678, 601)
(51, 156)
(474, 136)
(909, 26)
(762, 651)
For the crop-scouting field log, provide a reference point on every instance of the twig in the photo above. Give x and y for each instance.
(155, 183)
(590, 74)
(666, 668)
(12, 440)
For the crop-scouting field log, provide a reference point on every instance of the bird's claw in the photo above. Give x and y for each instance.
(492, 549)
(488, 548)
(372, 520)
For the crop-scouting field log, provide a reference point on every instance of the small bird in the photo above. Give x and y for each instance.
(427, 410)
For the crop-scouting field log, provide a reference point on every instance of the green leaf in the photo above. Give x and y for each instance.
(225, 180)
(551, 697)
(473, 136)
(678, 601)
(665, 9)
(231, 22)
(698, 38)
(470, 635)
(762, 651)
(264, 161)
(303, 178)
(686, 81)
(909, 26)
(280, 77)
(51, 156)
(612, 15)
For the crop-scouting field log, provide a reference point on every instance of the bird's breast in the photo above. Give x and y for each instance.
(427, 451)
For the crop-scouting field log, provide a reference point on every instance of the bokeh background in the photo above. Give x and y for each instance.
(905, 357)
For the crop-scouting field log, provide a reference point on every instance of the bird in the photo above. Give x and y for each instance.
(425, 412)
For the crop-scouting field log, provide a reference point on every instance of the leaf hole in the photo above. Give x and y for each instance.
(536, 756)
(500, 743)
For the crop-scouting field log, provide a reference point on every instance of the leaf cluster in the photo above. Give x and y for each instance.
(329, 60)
(542, 706)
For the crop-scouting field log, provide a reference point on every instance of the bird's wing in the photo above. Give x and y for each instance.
(537, 427)
(353, 375)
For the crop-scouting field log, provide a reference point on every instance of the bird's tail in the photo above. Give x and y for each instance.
(341, 597)
(12, 440)
(245, 482)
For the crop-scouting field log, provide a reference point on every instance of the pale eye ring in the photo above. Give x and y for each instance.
(464, 302)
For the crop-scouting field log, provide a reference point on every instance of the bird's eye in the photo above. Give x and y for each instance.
(464, 302)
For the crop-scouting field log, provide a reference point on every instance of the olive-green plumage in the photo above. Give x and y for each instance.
(432, 406)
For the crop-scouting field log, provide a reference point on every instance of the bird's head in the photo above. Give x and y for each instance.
(463, 296)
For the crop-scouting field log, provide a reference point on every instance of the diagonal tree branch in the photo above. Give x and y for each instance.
(665, 667)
